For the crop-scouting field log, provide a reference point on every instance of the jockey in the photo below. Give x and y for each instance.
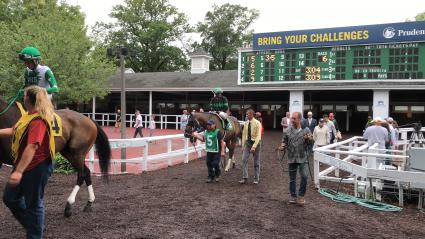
(37, 74)
(220, 104)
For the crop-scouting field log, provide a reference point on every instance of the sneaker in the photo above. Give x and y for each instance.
(301, 201)
(243, 181)
(293, 200)
(255, 181)
(209, 180)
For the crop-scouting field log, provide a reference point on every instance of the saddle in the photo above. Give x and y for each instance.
(227, 125)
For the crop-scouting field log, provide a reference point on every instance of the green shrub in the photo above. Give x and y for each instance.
(62, 165)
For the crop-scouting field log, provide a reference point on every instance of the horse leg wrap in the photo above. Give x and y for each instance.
(71, 198)
(228, 165)
(91, 193)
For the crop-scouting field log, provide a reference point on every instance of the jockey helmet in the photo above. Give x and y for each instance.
(29, 53)
(217, 90)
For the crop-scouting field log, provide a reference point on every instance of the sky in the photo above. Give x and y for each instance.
(281, 15)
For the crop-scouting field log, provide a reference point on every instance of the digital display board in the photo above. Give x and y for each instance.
(350, 53)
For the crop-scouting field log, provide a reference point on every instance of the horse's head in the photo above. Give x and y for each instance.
(192, 126)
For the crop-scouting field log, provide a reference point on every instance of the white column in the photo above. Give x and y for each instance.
(381, 103)
(296, 101)
(150, 103)
(94, 107)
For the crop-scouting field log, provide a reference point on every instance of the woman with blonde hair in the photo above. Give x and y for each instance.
(33, 149)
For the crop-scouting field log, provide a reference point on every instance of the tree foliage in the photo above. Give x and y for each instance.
(420, 17)
(148, 28)
(59, 32)
(225, 29)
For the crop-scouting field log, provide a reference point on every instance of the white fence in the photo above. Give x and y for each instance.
(108, 119)
(169, 153)
(367, 167)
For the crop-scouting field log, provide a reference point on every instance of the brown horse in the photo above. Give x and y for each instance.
(199, 119)
(78, 136)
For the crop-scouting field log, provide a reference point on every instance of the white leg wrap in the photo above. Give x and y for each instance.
(229, 162)
(91, 193)
(71, 198)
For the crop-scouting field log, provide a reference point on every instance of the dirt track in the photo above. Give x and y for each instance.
(177, 203)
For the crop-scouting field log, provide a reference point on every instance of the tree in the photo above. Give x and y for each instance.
(223, 31)
(60, 34)
(420, 17)
(148, 28)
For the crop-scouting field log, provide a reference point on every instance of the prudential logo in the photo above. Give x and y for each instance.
(388, 32)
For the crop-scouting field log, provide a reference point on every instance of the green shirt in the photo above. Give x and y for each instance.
(212, 141)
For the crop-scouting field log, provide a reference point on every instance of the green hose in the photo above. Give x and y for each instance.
(345, 198)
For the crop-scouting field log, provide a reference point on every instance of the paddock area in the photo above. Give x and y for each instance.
(175, 202)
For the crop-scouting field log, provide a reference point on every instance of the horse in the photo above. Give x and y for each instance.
(79, 133)
(199, 119)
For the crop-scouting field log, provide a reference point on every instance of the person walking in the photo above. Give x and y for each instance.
(138, 125)
(310, 122)
(215, 148)
(118, 119)
(296, 141)
(33, 148)
(321, 134)
(152, 125)
(251, 137)
(286, 122)
(338, 135)
(184, 119)
(331, 128)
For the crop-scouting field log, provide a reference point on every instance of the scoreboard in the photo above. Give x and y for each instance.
(299, 56)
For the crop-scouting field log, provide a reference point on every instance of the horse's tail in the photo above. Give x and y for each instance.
(103, 149)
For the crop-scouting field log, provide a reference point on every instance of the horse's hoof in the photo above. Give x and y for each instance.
(234, 165)
(88, 207)
(68, 210)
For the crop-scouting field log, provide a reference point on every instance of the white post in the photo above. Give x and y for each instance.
(177, 122)
(150, 103)
(169, 148)
(94, 107)
(296, 101)
(274, 118)
(316, 171)
(186, 150)
(381, 103)
(91, 157)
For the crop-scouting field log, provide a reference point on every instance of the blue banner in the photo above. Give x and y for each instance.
(356, 35)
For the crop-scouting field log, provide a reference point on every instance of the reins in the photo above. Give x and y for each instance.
(9, 104)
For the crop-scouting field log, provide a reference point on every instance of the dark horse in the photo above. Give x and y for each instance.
(78, 136)
(199, 119)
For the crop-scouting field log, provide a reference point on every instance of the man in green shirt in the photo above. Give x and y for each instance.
(37, 74)
(215, 147)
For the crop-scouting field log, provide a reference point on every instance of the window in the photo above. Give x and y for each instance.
(362, 108)
(170, 106)
(401, 108)
(160, 105)
(235, 107)
(307, 107)
(246, 106)
(264, 107)
(341, 108)
(417, 108)
(327, 107)
(276, 107)
(183, 106)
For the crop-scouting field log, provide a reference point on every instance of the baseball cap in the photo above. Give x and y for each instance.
(322, 120)
(210, 122)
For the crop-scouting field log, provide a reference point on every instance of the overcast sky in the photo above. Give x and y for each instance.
(280, 15)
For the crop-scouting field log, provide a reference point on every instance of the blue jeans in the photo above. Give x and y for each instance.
(213, 165)
(303, 169)
(25, 201)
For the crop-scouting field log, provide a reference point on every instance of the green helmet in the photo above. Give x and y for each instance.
(217, 90)
(29, 53)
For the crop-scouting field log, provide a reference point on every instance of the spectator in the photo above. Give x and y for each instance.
(251, 137)
(394, 132)
(310, 122)
(201, 110)
(338, 132)
(376, 134)
(369, 121)
(295, 140)
(152, 125)
(331, 129)
(321, 134)
(118, 119)
(138, 125)
(184, 120)
(286, 122)
(386, 126)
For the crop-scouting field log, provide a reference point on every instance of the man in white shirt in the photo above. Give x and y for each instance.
(321, 134)
(376, 134)
(286, 122)
(138, 125)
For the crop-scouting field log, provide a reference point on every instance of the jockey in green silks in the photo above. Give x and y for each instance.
(37, 74)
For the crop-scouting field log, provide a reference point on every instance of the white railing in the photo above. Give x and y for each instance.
(146, 157)
(163, 121)
(367, 166)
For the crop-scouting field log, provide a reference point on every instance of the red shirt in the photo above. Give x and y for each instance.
(37, 134)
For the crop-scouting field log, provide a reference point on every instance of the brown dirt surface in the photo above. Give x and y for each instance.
(177, 203)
